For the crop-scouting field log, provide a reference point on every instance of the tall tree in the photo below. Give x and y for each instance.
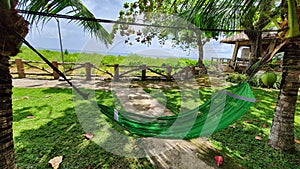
(214, 15)
(157, 12)
(282, 130)
(10, 23)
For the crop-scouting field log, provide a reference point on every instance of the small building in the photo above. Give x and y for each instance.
(241, 41)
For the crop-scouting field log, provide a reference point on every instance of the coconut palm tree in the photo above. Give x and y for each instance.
(223, 12)
(282, 129)
(10, 23)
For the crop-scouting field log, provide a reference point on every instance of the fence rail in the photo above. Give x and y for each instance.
(24, 68)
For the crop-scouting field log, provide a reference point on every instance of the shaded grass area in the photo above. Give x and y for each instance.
(56, 131)
(238, 141)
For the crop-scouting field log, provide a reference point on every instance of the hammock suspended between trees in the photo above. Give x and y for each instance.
(224, 108)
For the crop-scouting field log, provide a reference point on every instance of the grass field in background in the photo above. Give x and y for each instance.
(130, 60)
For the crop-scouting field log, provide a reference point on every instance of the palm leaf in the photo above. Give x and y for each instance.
(71, 7)
(217, 14)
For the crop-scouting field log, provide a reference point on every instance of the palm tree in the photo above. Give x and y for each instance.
(282, 129)
(11, 23)
(224, 11)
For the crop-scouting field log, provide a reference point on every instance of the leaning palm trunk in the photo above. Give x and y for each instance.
(256, 48)
(282, 130)
(10, 23)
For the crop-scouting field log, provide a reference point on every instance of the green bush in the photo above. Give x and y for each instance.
(66, 52)
(236, 78)
(256, 81)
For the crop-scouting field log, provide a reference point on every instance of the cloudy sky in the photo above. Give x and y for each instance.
(75, 39)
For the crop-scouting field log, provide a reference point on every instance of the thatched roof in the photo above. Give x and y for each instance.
(242, 37)
(237, 37)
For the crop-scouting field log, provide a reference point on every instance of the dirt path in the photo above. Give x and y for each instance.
(163, 153)
(176, 154)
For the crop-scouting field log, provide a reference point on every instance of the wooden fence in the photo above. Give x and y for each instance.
(23, 69)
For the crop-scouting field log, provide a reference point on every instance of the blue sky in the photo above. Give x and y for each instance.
(74, 38)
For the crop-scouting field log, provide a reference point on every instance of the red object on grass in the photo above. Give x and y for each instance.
(219, 160)
(89, 136)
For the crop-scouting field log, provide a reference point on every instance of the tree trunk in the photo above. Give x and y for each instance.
(282, 129)
(200, 53)
(200, 50)
(10, 23)
(255, 48)
(7, 160)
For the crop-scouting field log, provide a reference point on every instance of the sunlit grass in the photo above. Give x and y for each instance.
(238, 141)
(54, 130)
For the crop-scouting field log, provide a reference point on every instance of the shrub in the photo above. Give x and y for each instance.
(236, 78)
(66, 52)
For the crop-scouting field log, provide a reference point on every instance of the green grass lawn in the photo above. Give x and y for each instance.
(238, 141)
(56, 131)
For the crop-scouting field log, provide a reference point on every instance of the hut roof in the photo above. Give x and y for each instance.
(242, 37)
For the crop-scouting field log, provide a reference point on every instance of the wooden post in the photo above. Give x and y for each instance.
(169, 72)
(88, 70)
(116, 72)
(144, 69)
(186, 71)
(55, 74)
(234, 55)
(20, 68)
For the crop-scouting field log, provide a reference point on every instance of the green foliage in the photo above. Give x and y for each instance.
(28, 54)
(74, 7)
(256, 81)
(99, 59)
(66, 52)
(236, 78)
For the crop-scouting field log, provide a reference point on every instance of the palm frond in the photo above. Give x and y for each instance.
(217, 14)
(72, 7)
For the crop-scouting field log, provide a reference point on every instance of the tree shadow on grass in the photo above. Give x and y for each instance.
(239, 140)
(57, 90)
(25, 112)
(44, 137)
(64, 137)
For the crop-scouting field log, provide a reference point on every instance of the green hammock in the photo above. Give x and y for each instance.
(225, 107)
